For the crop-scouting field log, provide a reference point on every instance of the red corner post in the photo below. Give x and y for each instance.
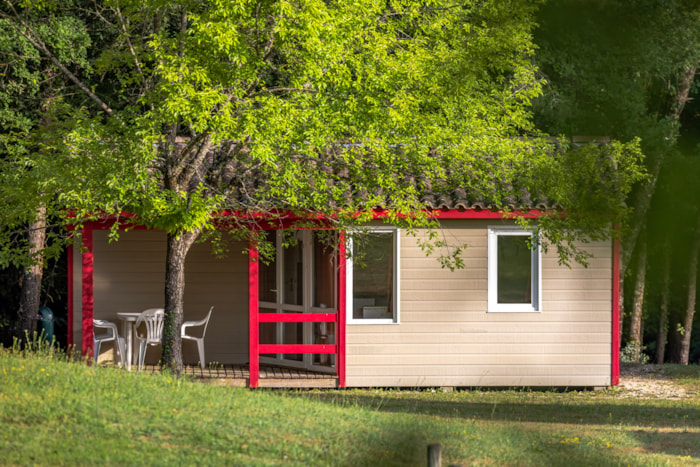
(88, 300)
(342, 312)
(253, 310)
(615, 351)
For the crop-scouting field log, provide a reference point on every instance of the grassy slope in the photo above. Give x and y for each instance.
(55, 412)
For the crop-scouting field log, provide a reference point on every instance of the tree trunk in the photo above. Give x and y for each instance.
(662, 336)
(621, 302)
(178, 247)
(635, 337)
(641, 200)
(685, 82)
(692, 292)
(32, 275)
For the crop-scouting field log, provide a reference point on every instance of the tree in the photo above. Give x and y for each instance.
(622, 70)
(323, 109)
(673, 269)
(33, 116)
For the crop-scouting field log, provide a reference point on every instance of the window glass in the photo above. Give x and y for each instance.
(268, 274)
(293, 272)
(514, 269)
(513, 277)
(324, 275)
(373, 277)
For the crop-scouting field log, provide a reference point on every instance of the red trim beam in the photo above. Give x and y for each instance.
(297, 318)
(485, 214)
(297, 348)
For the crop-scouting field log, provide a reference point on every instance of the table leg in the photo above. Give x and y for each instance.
(127, 331)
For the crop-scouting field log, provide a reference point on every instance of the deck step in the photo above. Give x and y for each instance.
(270, 376)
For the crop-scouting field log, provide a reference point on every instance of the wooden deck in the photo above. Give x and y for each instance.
(270, 376)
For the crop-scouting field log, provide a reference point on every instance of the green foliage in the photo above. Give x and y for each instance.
(589, 184)
(330, 108)
(36, 113)
(617, 69)
(316, 99)
(319, 108)
(612, 65)
(633, 352)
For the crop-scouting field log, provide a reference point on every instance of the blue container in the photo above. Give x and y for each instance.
(47, 323)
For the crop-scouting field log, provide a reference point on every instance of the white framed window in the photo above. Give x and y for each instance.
(372, 275)
(514, 276)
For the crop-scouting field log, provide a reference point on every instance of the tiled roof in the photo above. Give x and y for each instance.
(460, 200)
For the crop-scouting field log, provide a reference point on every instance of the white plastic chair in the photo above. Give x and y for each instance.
(152, 320)
(111, 334)
(200, 340)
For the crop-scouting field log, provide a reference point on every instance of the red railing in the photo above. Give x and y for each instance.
(255, 318)
(297, 318)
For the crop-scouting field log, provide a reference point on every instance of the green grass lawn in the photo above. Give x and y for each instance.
(55, 412)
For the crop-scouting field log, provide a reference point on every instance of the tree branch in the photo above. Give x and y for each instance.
(681, 97)
(131, 47)
(29, 34)
(195, 164)
(283, 89)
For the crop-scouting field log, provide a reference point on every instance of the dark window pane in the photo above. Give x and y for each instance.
(514, 269)
(268, 274)
(324, 275)
(373, 276)
(293, 274)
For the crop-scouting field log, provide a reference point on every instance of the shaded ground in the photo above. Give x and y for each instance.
(650, 381)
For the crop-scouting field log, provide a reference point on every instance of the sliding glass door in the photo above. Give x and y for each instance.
(302, 278)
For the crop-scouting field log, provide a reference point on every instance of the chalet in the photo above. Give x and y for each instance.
(512, 316)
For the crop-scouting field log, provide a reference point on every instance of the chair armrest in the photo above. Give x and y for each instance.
(190, 324)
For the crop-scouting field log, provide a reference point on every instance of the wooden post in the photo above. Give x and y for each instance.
(88, 332)
(617, 301)
(342, 313)
(253, 316)
(434, 455)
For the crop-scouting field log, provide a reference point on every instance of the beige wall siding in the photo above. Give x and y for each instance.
(129, 277)
(446, 337)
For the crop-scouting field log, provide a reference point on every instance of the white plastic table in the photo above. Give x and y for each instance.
(128, 320)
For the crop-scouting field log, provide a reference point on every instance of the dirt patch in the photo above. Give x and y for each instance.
(648, 381)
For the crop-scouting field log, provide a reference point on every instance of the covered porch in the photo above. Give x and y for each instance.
(275, 324)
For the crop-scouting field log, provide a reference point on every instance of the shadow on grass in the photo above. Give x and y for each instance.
(524, 409)
(662, 427)
(674, 443)
(400, 441)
